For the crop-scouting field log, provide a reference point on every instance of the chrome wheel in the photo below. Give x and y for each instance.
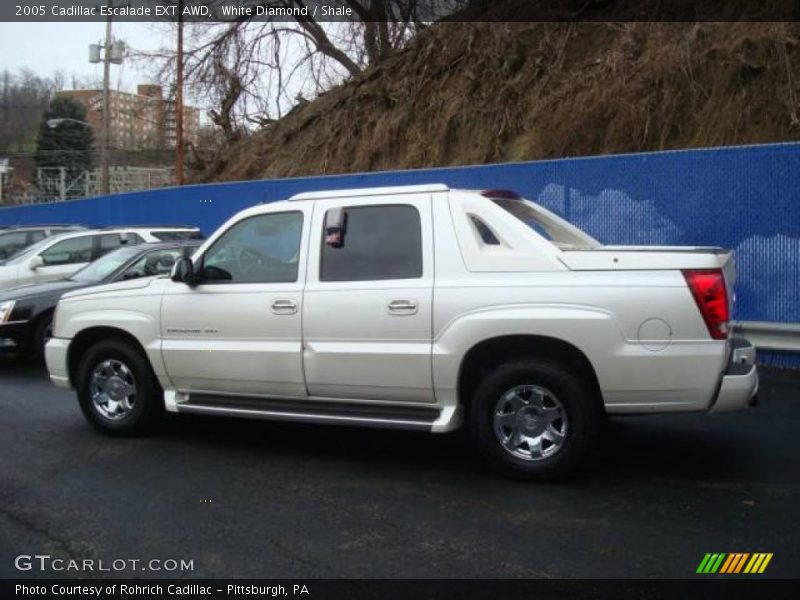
(113, 389)
(530, 422)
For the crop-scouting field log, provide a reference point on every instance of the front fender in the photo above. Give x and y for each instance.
(79, 316)
(140, 325)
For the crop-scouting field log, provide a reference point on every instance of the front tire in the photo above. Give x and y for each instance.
(42, 335)
(534, 419)
(117, 390)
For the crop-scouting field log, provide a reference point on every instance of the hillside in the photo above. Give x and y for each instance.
(493, 92)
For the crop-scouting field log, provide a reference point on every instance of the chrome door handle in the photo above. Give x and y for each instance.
(284, 307)
(402, 307)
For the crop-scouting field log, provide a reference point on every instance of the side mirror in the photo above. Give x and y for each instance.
(183, 271)
(35, 262)
(334, 227)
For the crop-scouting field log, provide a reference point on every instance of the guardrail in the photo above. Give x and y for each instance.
(770, 337)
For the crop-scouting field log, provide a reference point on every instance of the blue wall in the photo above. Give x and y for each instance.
(745, 198)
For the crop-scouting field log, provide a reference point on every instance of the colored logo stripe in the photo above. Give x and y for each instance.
(758, 563)
(734, 562)
(728, 562)
(710, 563)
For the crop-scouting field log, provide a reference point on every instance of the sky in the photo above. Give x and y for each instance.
(47, 47)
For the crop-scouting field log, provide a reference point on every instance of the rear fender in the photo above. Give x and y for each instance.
(593, 331)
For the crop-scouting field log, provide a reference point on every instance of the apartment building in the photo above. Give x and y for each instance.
(141, 121)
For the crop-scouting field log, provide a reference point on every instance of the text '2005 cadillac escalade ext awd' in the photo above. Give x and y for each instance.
(418, 307)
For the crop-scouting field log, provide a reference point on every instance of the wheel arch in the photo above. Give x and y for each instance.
(86, 338)
(486, 355)
(36, 321)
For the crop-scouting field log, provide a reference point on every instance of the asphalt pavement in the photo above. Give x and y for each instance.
(262, 499)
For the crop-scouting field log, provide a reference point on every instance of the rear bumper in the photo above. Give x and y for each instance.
(739, 383)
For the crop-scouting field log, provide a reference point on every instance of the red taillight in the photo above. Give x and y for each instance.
(708, 289)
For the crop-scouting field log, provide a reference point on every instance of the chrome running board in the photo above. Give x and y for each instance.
(421, 418)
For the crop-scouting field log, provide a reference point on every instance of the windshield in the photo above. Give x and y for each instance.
(105, 265)
(547, 224)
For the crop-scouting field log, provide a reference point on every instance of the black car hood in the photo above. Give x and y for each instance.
(31, 290)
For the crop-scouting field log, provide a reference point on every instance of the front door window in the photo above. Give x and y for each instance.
(261, 249)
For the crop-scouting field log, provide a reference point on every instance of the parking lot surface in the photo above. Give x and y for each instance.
(263, 499)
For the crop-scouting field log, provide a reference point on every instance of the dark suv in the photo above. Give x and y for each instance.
(14, 239)
(26, 312)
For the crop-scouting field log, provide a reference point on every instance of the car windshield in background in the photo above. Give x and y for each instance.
(547, 224)
(105, 265)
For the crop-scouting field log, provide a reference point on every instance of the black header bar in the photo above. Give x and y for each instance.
(424, 10)
(401, 589)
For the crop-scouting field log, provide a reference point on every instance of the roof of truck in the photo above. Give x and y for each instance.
(373, 191)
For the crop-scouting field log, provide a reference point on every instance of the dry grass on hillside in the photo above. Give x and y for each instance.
(491, 92)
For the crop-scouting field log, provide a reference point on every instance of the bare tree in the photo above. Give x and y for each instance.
(23, 98)
(251, 70)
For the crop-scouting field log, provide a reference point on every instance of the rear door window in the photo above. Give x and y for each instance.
(111, 241)
(108, 242)
(377, 243)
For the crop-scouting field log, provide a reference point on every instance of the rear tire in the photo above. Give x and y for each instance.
(117, 390)
(534, 419)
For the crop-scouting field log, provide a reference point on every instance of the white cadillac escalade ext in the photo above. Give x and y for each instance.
(417, 307)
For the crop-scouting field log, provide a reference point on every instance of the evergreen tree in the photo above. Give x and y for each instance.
(68, 144)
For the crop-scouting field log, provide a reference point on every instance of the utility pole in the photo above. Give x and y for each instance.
(179, 102)
(62, 182)
(106, 125)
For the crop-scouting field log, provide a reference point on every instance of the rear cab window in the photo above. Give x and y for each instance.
(486, 235)
(548, 225)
